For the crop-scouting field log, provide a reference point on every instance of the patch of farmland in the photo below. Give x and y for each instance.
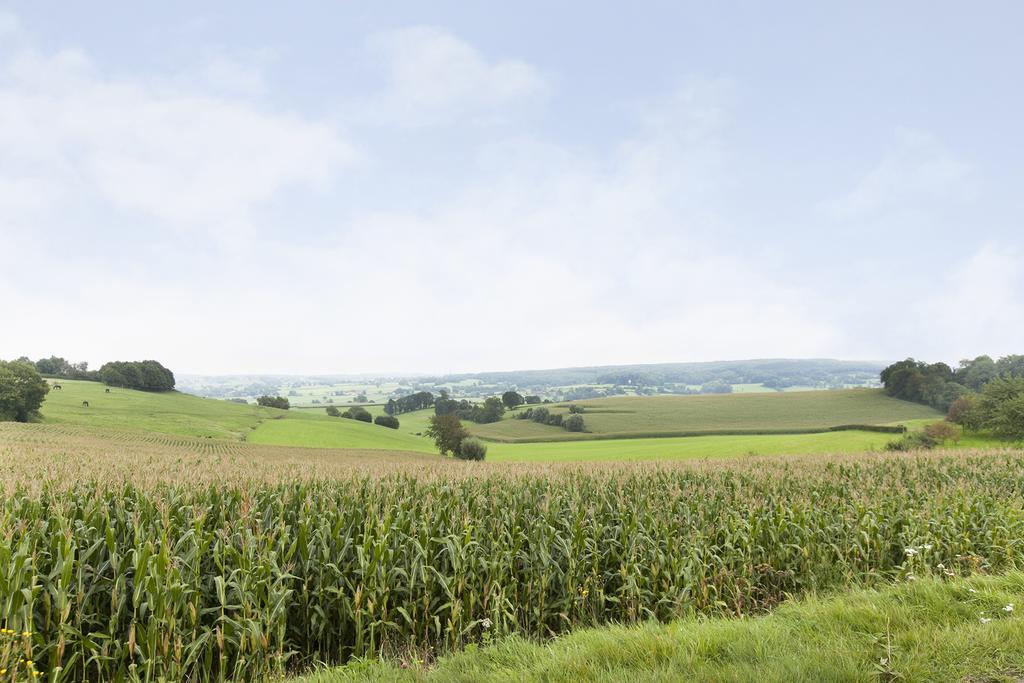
(666, 416)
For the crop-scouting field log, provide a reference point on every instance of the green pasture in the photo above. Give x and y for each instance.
(176, 413)
(168, 412)
(305, 428)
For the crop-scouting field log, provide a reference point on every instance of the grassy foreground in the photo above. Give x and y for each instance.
(927, 630)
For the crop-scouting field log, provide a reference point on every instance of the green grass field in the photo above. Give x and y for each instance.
(630, 417)
(928, 630)
(176, 413)
(167, 412)
(316, 429)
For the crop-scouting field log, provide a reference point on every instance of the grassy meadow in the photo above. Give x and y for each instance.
(185, 415)
(168, 412)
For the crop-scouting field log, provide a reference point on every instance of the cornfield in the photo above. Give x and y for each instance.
(135, 578)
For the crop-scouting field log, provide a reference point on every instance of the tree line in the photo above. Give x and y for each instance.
(938, 385)
(573, 422)
(145, 375)
(981, 394)
(407, 404)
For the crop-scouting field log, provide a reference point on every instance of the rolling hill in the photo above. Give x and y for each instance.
(665, 416)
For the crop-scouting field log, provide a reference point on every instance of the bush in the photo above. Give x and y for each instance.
(358, 413)
(966, 412)
(555, 419)
(540, 415)
(333, 412)
(917, 441)
(386, 421)
(942, 432)
(471, 448)
(532, 400)
(574, 423)
(22, 391)
(274, 402)
(575, 409)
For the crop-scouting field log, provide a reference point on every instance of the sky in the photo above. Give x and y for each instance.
(343, 187)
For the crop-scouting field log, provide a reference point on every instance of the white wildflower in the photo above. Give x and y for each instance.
(1008, 608)
(985, 620)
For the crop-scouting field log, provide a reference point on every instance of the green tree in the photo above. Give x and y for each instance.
(573, 423)
(1002, 407)
(386, 421)
(333, 411)
(358, 413)
(447, 432)
(975, 374)
(22, 391)
(274, 402)
(966, 412)
(491, 410)
(512, 399)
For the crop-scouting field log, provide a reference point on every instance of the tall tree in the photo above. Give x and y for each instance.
(512, 399)
(22, 391)
(447, 432)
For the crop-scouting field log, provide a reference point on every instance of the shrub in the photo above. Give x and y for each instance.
(540, 415)
(471, 448)
(555, 419)
(386, 421)
(532, 400)
(966, 412)
(575, 409)
(916, 441)
(333, 411)
(942, 432)
(574, 423)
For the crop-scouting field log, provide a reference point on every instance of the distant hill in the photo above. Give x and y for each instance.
(772, 373)
(574, 383)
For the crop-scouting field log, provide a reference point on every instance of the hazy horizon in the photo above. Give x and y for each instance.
(412, 189)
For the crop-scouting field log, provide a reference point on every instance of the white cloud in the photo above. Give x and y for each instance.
(917, 170)
(535, 254)
(185, 155)
(435, 77)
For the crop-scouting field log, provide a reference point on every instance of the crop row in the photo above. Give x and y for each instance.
(237, 582)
